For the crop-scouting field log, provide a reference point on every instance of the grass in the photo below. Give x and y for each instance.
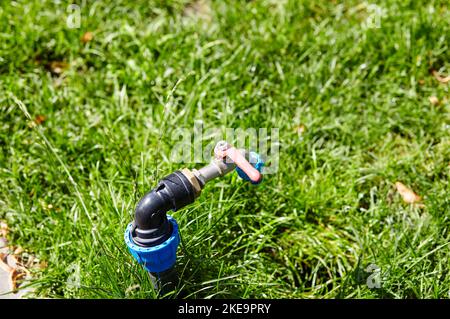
(69, 184)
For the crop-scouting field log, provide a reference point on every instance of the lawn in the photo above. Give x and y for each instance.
(357, 90)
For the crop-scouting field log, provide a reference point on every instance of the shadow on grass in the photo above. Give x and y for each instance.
(207, 278)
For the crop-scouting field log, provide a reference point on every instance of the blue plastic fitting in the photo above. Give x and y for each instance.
(158, 258)
(256, 162)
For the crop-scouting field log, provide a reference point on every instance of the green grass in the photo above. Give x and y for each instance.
(69, 185)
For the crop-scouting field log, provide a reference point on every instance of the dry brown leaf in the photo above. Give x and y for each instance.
(300, 129)
(29, 261)
(3, 263)
(12, 261)
(200, 9)
(442, 79)
(3, 229)
(433, 100)
(58, 67)
(88, 36)
(15, 276)
(12, 265)
(421, 82)
(39, 119)
(16, 262)
(407, 194)
(3, 243)
(43, 265)
(18, 251)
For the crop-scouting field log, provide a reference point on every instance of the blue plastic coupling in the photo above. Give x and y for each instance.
(157, 258)
(257, 162)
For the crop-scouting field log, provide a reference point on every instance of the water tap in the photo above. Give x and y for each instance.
(153, 238)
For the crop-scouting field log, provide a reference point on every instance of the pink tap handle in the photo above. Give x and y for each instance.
(243, 164)
(224, 150)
